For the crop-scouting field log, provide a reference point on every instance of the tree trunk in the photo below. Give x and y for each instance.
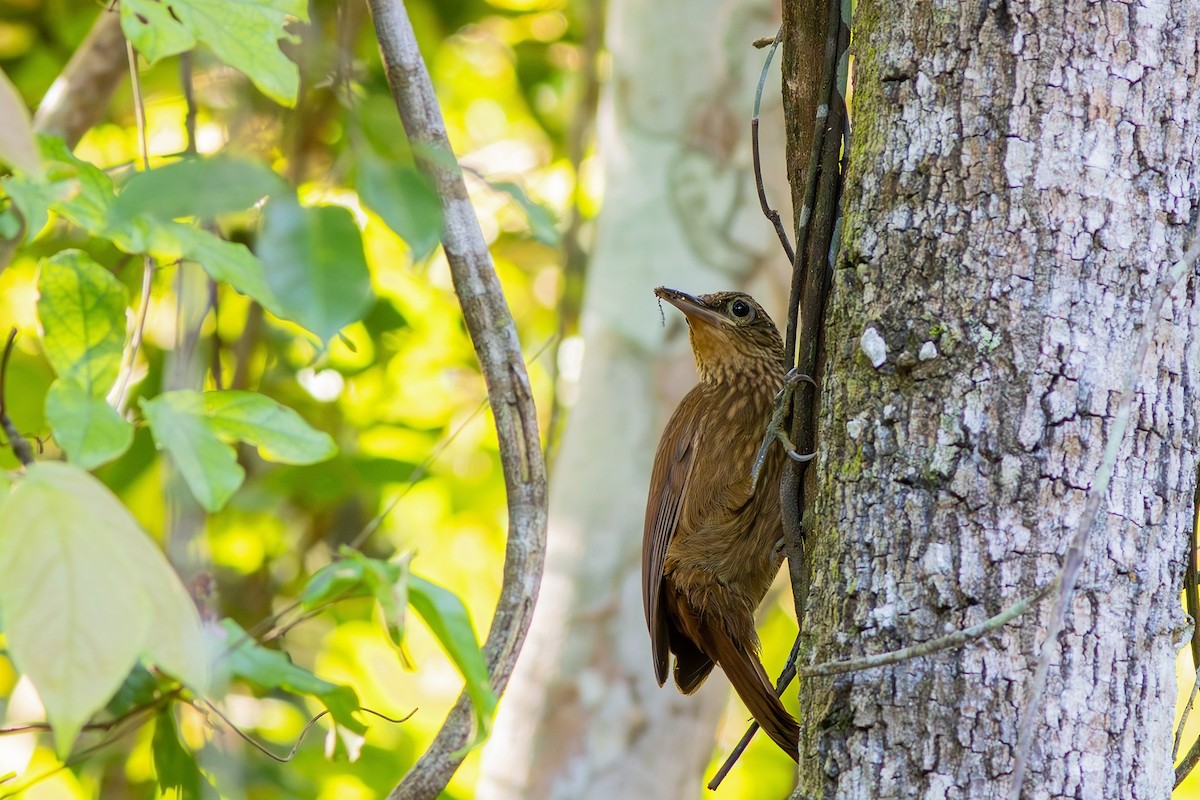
(583, 716)
(1022, 177)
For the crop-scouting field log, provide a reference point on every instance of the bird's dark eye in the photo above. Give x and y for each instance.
(740, 309)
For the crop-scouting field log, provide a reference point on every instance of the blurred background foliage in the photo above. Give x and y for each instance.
(399, 391)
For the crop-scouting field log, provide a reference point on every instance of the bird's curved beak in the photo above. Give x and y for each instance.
(692, 307)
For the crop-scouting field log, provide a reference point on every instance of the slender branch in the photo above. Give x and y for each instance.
(135, 343)
(262, 748)
(79, 97)
(955, 639)
(770, 213)
(18, 443)
(1073, 562)
(494, 336)
(1185, 767)
(1183, 718)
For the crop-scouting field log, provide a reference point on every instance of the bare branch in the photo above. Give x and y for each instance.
(494, 336)
(1073, 561)
(18, 443)
(79, 96)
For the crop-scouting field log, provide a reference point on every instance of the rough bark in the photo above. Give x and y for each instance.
(1022, 176)
(583, 717)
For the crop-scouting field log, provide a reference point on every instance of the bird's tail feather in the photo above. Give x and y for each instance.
(744, 670)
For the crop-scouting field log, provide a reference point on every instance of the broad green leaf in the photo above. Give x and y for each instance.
(403, 199)
(243, 33)
(84, 192)
(272, 669)
(18, 148)
(138, 689)
(81, 587)
(357, 575)
(196, 187)
(315, 265)
(542, 224)
(81, 306)
(447, 617)
(279, 433)
(86, 427)
(208, 465)
(174, 765)
(150, 27)
(229, 262)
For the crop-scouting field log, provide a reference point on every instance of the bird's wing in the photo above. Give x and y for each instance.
(669, 481)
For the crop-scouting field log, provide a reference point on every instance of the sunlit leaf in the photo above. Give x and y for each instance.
(447, 617)
(174, 765)
(358, 575)
(87, 428)
(279, 433)
(542, 224)
(208, 465)
(402, 198)
(229, 262)
(243, 33)
(315, 265)
(81, 587)
(81, 306)
(18, 148)
(196, 187)
(340, 580)
(150, 27)
(272, 669)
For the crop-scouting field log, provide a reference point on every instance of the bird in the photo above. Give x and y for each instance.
(713, 536)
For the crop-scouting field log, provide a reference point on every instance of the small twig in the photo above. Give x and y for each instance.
(1073, 561)
(955, 639)
(770, 213)
(759, 44)
(1183, 718)
(1185, 767)
(785, 679)
(135, 343)
(18, 443)
(262, 748)
(498, 349)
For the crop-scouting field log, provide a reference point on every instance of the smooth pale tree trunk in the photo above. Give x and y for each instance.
(1022, 176)
(583, 716)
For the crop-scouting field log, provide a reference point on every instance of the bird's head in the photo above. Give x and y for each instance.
(731, 334)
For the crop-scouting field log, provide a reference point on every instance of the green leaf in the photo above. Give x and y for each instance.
(18, 148)
(279, 433)
(272, 669)
(174, 764)
(342, 579)
(542, 223)
(81, 306)
(196, 187)
(229, 262)
(356, 575)
(86, 427)
(152, 30)
(208, 465)
(447, 617)
(403, 199)
(243, 33)
(194, 429)
(315, 265)
(81, 588)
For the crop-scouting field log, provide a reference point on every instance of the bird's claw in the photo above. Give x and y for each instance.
(790, 449)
